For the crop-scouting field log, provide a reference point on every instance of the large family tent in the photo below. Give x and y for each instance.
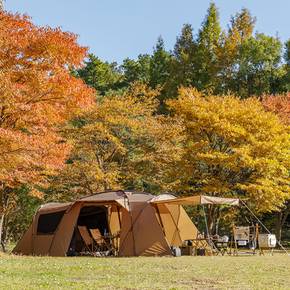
(146, 225)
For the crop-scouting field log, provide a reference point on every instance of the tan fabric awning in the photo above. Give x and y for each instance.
(198, 199)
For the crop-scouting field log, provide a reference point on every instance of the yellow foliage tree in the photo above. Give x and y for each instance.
(231, 147)
(121, 143)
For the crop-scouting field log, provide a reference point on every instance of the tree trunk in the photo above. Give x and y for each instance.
(4, 208)
(281, 218)
(1, 231)
(210, 219)
(217, 220)
(278, 225)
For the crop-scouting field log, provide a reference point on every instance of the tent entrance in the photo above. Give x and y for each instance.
(90, 231)
(94, 217)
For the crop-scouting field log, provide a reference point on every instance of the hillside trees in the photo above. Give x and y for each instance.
(231, 147)
(37, 93)
(234, 60)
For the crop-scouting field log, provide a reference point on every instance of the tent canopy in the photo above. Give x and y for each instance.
(197, 200)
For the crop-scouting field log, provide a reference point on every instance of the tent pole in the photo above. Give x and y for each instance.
(205, 220)
(259, 221)
(210, 242)
(159, 216)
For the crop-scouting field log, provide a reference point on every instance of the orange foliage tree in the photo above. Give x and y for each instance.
(37, 94)
(280, 105)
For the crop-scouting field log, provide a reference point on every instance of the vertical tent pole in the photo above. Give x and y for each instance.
(207, 232)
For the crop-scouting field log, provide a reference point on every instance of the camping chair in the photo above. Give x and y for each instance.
(221, 244)
(245, 237)
(102, 246)
(87, 239)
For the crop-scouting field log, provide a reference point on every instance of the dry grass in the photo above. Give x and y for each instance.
(245, 272)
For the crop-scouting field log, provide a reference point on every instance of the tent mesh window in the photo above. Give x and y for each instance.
(47, 223)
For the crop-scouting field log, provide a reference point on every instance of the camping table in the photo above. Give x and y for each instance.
(220, 245)
(201, 243)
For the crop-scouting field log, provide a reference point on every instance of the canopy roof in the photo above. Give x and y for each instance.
(124, 198)
(196, 200)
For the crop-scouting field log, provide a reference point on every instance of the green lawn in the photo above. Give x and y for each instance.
(243, 272)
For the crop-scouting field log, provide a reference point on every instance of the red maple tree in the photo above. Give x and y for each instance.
(37, 94)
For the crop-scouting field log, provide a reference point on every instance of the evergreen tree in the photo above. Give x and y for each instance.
(102, 76)
(136, 70)
(286, 78)
(206, 56)
(182, 70)
(159, 65)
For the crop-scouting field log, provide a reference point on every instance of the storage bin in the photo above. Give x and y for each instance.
(267, 240)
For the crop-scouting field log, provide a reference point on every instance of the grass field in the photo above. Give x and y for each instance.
(243, 272)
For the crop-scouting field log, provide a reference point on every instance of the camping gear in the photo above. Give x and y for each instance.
(264, 227)
(221, 244)
(241, 235)
(146, 225)
(187, 250)
(104, 247)
(267, 241)
(176, 251)
(245, 237)
(88, 241)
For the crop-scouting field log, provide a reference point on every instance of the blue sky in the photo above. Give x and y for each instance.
(116, 29)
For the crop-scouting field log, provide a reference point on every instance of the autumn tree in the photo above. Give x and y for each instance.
(240, 29)
(232, 147)
(280, 105)
(37, 93)
(121, 143)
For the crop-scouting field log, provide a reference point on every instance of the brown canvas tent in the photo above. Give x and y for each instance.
(146, 225)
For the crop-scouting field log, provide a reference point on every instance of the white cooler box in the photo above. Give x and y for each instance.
(267, 240)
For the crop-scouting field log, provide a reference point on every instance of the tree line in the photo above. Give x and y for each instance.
(234, 61)
(211, 116)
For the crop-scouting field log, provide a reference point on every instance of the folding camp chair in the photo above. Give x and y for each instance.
(221, 244)
(87, 239)
(102, 246)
